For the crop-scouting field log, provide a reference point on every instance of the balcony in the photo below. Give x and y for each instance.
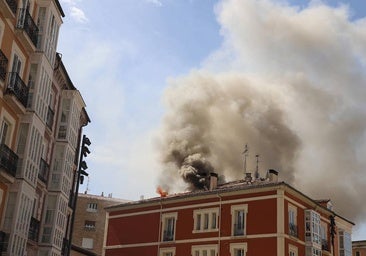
(325, 246)
(34, 229)
(292, 230)
(50, 117)
(28, 30)
(8, 8)
(16, 93)
(65, 247)
(4, 239)
(44, 169)
(168, 236)
(8, 163)
(3, 65)
(238, 230)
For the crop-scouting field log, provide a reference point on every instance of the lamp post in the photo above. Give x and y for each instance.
(79, 180)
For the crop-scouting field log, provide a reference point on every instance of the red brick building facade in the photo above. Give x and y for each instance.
(233, 219)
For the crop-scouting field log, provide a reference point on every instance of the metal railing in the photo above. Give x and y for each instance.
(4, 239)
(44, 169)
(50, 116)
(168, 236)
(17, 87)
(292, 230)
(238, 229)
(12, 5)
(26, 22)
(3, 65)
(34, 229)
(8, 160)
(325, 245)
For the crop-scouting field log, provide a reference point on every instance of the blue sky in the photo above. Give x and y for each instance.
(123, 55)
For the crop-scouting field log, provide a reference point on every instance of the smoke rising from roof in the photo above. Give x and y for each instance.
(292, 85)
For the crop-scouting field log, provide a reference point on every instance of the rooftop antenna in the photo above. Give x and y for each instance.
(245, 153)
(256, 175)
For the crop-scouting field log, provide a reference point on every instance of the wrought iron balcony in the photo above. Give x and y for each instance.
(325, 245)
(12, 5)
(8, 160)
(18, 88)
(50, 117)
(44, 169)
(3, 65)
(168, 236)
(34, 229)
(292, 230)
(26, 22)
(238, 229)
(4, 239)
(65, 247)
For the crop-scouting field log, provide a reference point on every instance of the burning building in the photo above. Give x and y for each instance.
(243, 217)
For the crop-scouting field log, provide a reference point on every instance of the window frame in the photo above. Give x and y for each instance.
(234, 210)
(293, 250)
(292, 220)
(198, 250)
(166, 251)
(164, 224)
(200, 221)
(92, 209)
(238, 246)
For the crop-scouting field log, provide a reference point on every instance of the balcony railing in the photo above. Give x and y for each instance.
(8, 160)
(34, 229)
(238, 229)
(18, 88)
(65, 247)
(4, 239)
(292, 230)
(3, 65)
(12, 5)
(26, 23)
(44, 169)
(50, 116)
(168, 236)
(325, 245)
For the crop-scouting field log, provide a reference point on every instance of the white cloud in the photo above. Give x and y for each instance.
(78, 15)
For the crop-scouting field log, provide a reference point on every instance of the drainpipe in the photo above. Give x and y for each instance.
(159, 235)
(219, 246)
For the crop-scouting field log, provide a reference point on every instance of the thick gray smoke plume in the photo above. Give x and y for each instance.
(290, 83)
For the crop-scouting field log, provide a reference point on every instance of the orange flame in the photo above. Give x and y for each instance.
(161, 192)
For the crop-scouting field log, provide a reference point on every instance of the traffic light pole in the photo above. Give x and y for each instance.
(83, 152)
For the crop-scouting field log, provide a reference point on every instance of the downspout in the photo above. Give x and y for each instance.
(159, 235)
(219, 245)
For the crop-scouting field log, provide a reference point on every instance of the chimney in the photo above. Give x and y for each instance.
(213, 181)
(273, 175)
(248, 177)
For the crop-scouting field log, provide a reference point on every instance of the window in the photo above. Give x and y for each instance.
(345, 243)
(312, 228)
(205, 220)
(292, 250)
(292, 220)
(323, 236)
(169, 221)
(238, 215)
(204, 250)
(92, 207)
(87, 243)
(358, 253)
(5, 127)
(238, 249)
(89, 225)
(167, 251)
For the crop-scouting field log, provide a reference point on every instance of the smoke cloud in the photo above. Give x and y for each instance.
(291, 83)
